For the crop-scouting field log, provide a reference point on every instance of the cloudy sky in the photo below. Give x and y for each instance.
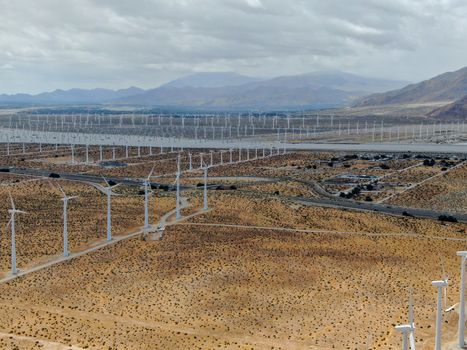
(51, 44)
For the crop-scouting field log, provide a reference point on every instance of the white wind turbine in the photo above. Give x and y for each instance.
(205, 189)
(461, 334)
(439, 310)
(147, 185)
(13, 211)
(408, 330)
(445, 278)
(405, 329)
(65, 200)
(108, 191)
(411, 323)
(177, 208)
(190, 161)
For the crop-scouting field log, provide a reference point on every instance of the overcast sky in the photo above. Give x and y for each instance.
(49, 44)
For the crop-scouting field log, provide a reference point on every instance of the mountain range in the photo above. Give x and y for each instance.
(226, 91)
(447, 87)
(72, 96)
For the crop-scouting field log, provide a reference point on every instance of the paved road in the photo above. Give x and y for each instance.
(329, 200)
(374, 207)
(332, 201)
(87, 177)
(81, 177)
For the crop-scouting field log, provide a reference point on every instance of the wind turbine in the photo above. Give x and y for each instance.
(13, 211)
(72, 154)
(177, 208)
(405, 329)
(190, 161)
(65, 200)
(445, 278)
(108, 191)
(439, 309)
(147, 185)
(411, 323)
(463, 255)
(205, 190)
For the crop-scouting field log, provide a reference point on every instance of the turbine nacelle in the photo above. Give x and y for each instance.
(440, 283)
(404, 328)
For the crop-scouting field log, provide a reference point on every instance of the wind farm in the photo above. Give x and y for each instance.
(309, 224)
(249, 174)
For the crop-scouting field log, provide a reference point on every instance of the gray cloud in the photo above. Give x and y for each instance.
(116, 43)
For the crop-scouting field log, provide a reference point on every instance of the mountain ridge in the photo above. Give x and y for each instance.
(210, 80)
(330, 89)
(457, 109)
(226, 90)
(74, 95)
(449, 86)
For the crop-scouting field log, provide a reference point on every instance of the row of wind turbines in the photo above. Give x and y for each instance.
(108, 191)
(408, 330)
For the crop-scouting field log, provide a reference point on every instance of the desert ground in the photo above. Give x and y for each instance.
(445, 192)
(256, 271)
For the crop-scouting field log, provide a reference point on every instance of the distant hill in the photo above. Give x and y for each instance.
(210, 80)
(72, 96)
(314, 90)
(456, 110)
(445, 87)
(334, 80)
(226, 91)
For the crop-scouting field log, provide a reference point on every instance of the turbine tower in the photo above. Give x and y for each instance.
(108, 191)
(177, 210)
(411, 323)
(405, 329)
(147, 185)
(13, 211)
(205, 191)
(463, 255)
(65, 200)
(439, 309)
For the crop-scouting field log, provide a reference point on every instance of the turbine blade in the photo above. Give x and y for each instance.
(9, 222)
(412, 341)
(150, 174)
(61, 190)
(445, 297)
(99, 187)
(443, 271)
(105, 180)
(11, 200)
(411, 316)
(368, 341)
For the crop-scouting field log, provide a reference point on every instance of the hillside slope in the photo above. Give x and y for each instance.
(456, 110)
(313, 90)
(445, 87)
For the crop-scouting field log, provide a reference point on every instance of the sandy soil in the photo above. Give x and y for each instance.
(227, 287)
